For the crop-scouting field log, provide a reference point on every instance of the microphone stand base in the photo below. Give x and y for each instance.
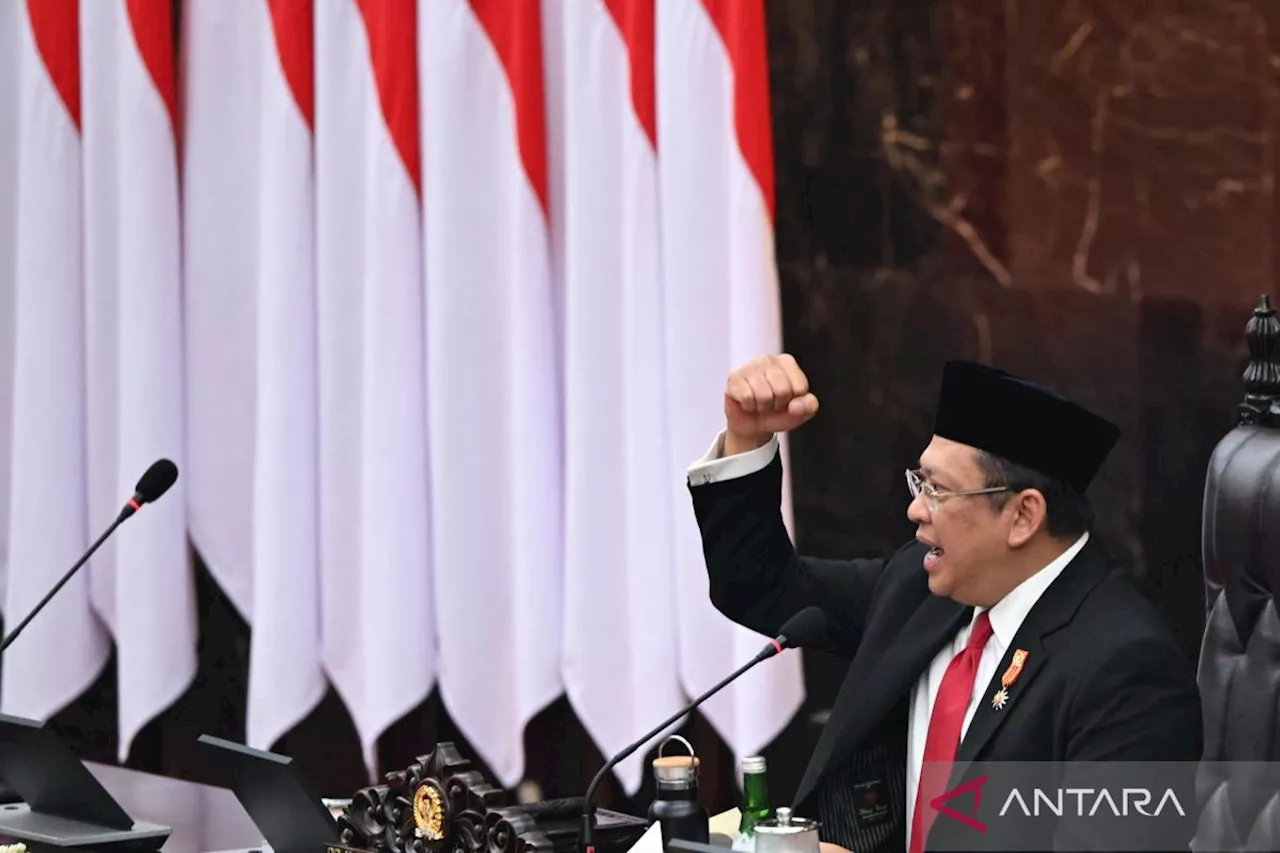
(19, 822)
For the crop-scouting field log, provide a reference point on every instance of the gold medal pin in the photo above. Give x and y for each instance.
(1010, 676)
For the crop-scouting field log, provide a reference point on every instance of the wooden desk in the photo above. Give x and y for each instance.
(204, 818)
(208, 819)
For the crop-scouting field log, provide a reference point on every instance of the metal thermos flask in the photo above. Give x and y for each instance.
(676, 807)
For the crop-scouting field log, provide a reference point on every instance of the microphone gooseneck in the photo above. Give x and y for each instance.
(155, 482)
(805, 628)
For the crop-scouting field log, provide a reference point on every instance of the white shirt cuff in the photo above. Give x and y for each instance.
(715, 466)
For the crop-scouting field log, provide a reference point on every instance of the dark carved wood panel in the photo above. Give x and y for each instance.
(442, 803)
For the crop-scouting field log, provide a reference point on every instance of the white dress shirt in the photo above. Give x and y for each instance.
(1006, 617)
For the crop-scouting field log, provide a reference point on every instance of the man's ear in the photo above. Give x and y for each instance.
(1030, 514)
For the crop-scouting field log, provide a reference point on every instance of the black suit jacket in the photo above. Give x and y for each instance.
(1103, 681)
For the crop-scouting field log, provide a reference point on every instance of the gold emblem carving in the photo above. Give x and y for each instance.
(428, 812)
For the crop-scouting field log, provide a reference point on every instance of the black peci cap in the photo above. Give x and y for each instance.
(1026, 423)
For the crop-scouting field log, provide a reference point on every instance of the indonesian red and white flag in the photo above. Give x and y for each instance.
(722, 309)
(620, 656)
(378, 613)
(286, 679)
(250, 214)
(62, 652)
(143, 583)
(494, 388)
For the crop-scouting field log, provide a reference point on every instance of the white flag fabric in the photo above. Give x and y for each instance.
(250, 209)
(377, 605)
(722, 309)
(10, 53)
(620, 659)
(62, 652)
(494, 392)
(223, 179)
(143, 586)
(286, 678)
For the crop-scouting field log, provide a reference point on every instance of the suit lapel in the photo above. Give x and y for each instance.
(1051, 612)
(933, 624)
(865, 699)
(990, 716)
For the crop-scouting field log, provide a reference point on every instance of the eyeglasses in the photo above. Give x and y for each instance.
(933, 495)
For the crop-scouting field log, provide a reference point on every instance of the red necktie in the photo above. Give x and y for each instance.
(945, 723)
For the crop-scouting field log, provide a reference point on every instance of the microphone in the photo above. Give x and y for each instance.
(151, 485)
(155, 482)
(806, 628)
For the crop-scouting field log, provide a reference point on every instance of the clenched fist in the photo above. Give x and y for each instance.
(767, 395)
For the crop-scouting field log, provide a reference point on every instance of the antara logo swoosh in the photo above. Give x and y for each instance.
(970, 821)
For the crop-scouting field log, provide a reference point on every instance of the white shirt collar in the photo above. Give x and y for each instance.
(1009, 612)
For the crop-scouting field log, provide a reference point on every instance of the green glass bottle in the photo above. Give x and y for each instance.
(755, 802)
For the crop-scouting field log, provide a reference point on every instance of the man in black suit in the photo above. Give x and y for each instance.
(1000, 634)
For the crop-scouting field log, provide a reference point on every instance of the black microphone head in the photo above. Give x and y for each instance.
(156, 481)
(806, 628)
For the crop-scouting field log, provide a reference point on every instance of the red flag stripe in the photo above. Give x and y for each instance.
(741, 26)
(293, 25)
(152, 24)
(635, 20)
(516, 32)
(392, 26)
(56, 26)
